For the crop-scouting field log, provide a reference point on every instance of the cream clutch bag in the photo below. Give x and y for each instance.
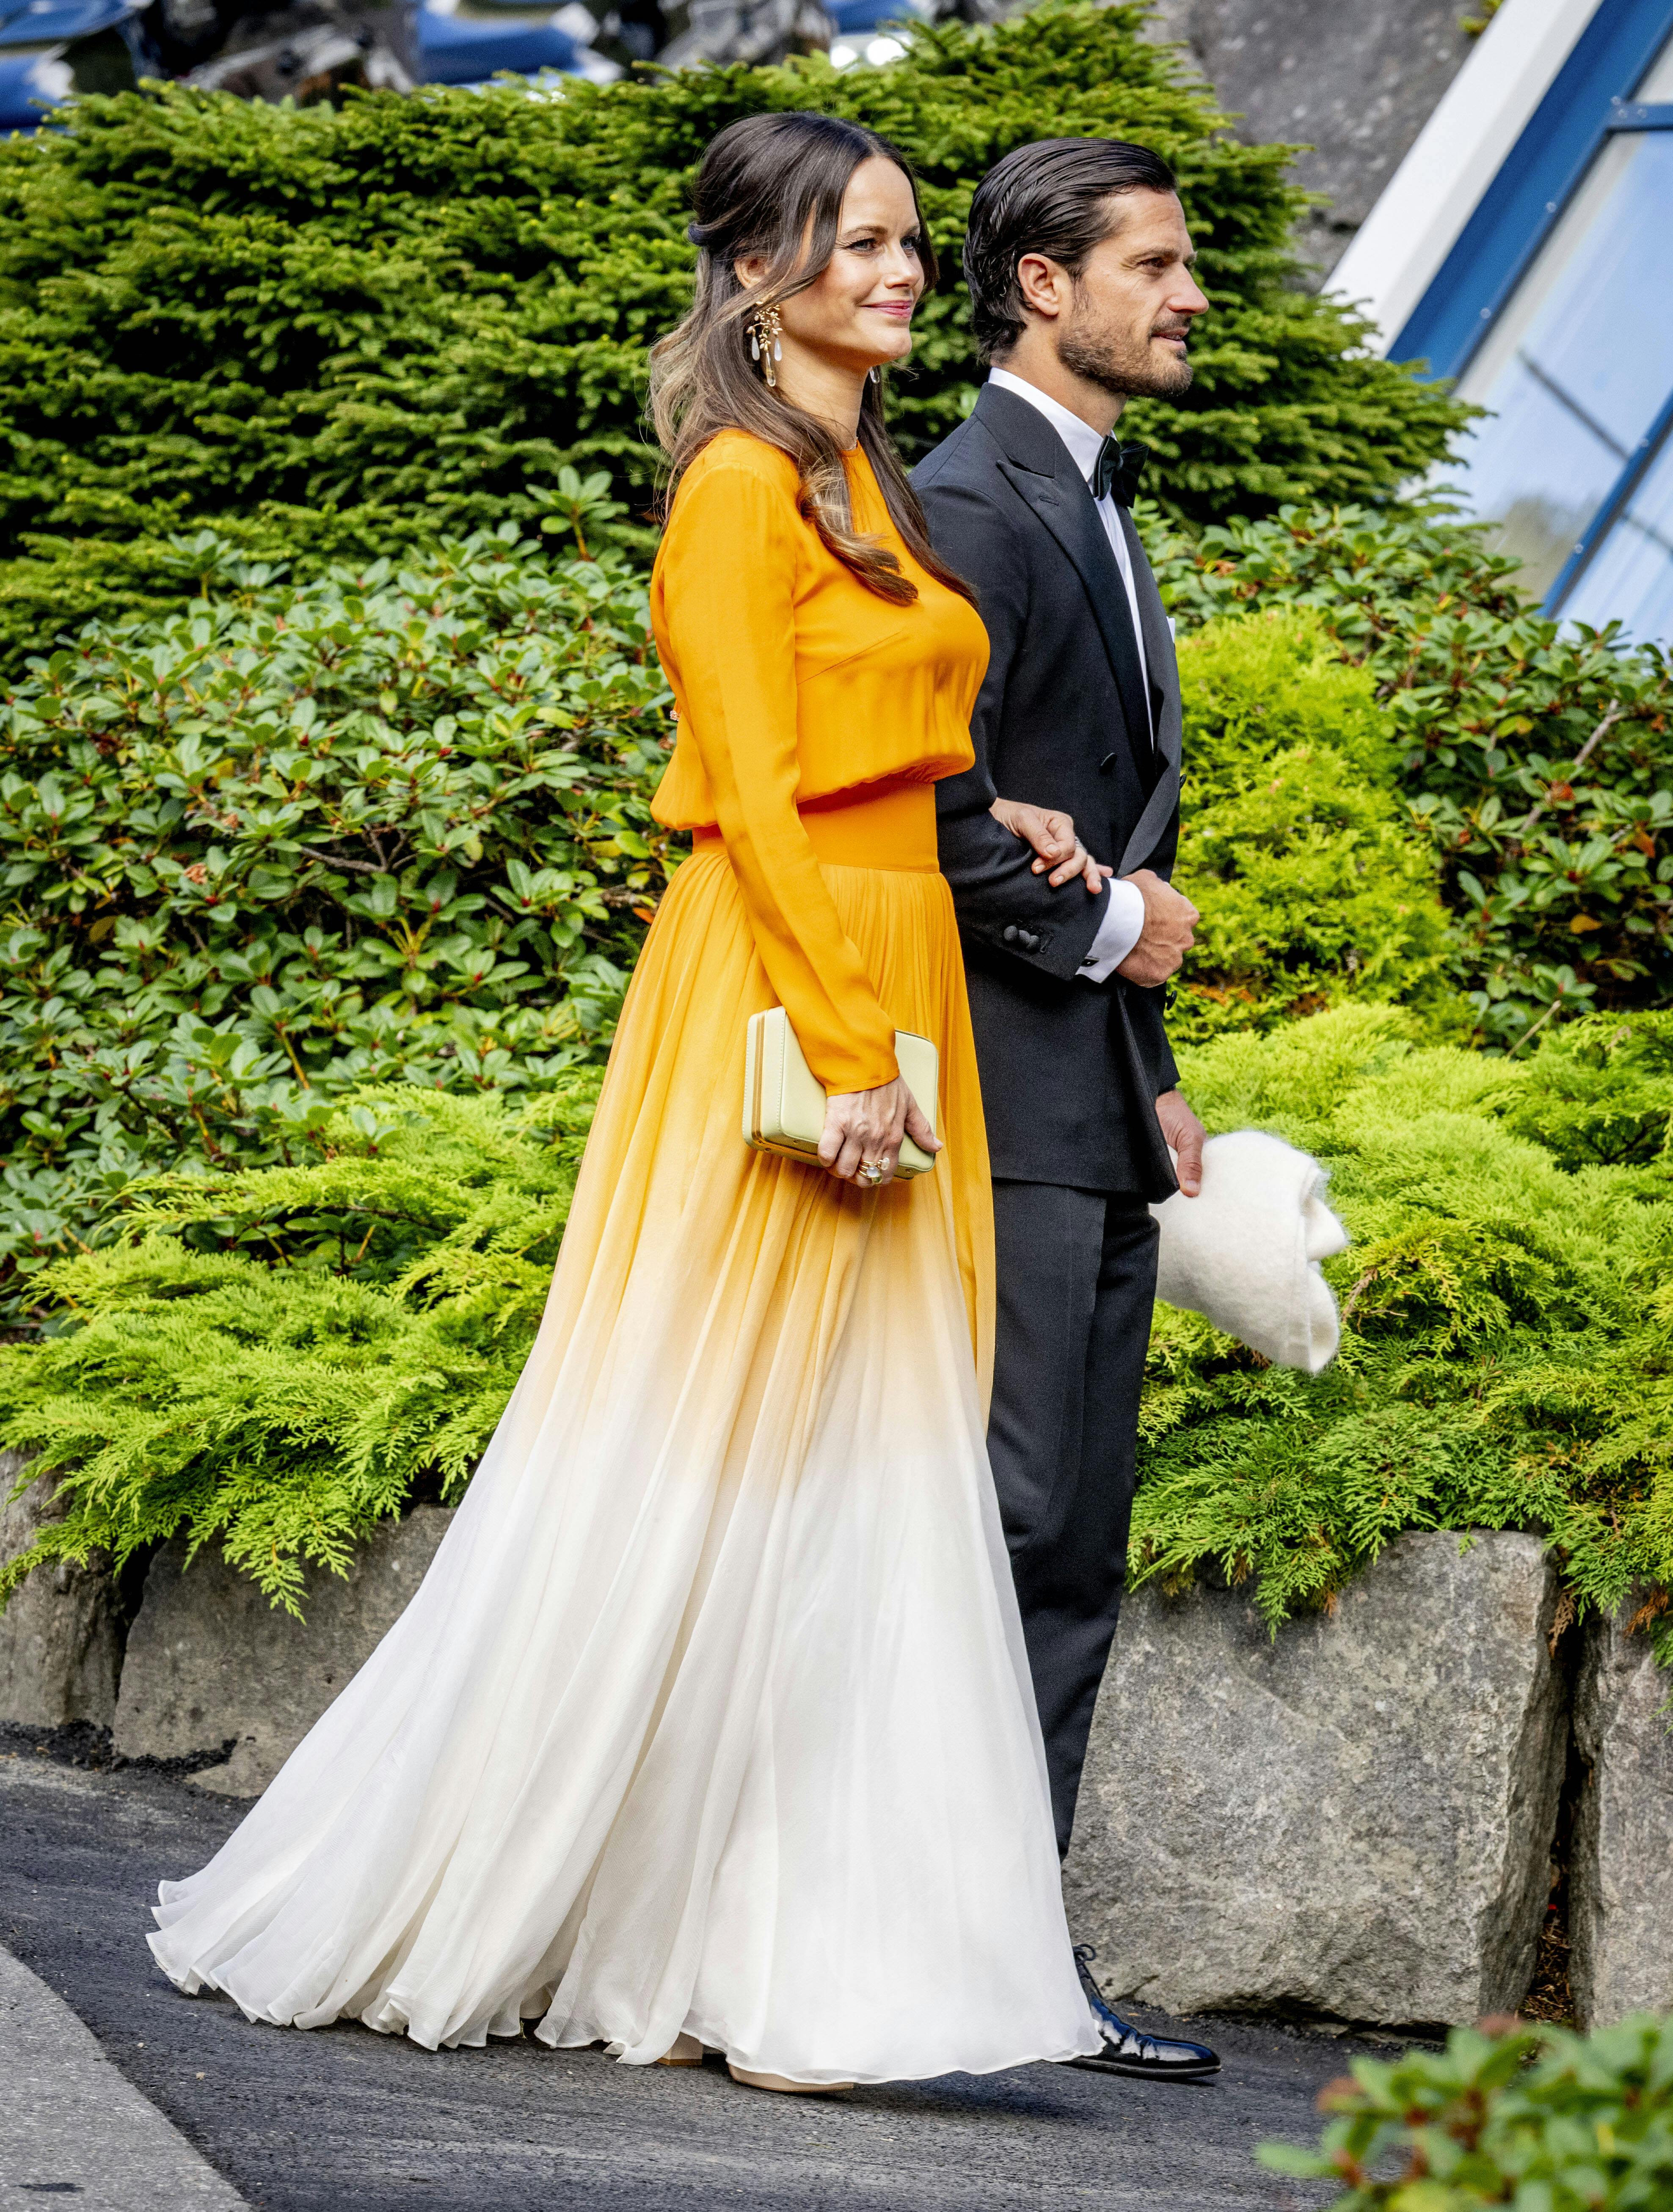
(784, 1103)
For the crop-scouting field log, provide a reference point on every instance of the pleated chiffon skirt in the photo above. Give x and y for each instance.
(712, 1713)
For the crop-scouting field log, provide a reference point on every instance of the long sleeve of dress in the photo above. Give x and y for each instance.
(729, 567)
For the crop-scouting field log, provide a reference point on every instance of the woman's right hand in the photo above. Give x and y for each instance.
(867, 1127)
(1051, 833)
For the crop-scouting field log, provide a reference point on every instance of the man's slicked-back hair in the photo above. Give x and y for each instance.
(1050, 197)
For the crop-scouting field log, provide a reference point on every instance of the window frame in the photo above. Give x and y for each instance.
(1587, 104)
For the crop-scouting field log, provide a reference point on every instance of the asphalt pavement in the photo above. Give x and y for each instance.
(341, 2119)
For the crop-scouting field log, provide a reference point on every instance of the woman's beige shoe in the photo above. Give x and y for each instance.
(781, 2081)
(683, 2050)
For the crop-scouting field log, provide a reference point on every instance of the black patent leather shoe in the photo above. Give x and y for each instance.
(1129, 2050)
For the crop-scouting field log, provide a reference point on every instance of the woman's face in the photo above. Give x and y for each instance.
(857, 313)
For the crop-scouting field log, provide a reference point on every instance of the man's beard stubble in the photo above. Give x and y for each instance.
(1109, 359)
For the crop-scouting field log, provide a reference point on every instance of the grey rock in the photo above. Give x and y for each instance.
(61, 1634)
(1353, 1820)
(1621, 1863)
(1355, 84)
(211, 1662)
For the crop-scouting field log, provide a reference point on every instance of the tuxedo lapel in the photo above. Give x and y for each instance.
(1167, 721)
(1039, 470)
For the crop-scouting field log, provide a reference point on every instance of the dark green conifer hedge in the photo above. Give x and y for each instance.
(327, 330)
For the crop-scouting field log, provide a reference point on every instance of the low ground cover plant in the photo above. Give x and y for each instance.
(1544, 2121)
(278, 1362)
(1538, 761)
(1507, 1344)
(274, 1359)
(347, 329)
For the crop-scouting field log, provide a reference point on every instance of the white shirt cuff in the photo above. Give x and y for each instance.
(1117, 933)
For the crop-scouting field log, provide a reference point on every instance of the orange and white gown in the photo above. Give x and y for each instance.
(713, 1714)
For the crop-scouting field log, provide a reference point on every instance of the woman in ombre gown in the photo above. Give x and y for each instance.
(711, 1722)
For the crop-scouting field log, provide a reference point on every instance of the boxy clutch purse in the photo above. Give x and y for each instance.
(784, 1101)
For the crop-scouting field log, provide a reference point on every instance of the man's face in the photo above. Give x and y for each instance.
(1128, 326)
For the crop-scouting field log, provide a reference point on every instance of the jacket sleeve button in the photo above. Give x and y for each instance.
(1011, 934)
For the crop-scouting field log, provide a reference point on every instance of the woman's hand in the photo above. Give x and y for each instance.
(1055, 845)
(863, 1131)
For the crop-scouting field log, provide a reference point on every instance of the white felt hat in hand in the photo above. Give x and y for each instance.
(1244, 1252)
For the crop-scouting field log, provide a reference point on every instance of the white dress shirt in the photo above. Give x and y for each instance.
(1124, 918)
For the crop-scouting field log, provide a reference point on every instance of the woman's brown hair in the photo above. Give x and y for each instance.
(773, 185)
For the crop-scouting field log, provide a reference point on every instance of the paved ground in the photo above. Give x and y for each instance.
(71, 2125)
(341, 2119)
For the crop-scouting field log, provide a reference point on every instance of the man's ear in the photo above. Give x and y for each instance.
(1044, 284)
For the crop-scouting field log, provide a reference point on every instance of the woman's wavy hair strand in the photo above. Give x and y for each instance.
(773, 185)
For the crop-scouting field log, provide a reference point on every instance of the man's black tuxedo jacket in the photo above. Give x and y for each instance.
(1070, 1070)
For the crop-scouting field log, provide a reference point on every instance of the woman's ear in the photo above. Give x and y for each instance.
(749, 269)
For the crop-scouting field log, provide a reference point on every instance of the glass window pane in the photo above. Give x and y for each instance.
(1629, 578)
(1580, 363)
(1657, 83)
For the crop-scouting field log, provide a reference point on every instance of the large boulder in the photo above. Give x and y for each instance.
(1621, 1862)
(61, 1634)
(1352, 1821)
(214, 1669)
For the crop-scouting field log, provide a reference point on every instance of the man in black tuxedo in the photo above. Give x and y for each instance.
(1078, 265)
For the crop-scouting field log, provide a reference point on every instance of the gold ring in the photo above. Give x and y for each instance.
(870, 1171)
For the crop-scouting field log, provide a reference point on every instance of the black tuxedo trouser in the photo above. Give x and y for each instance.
(1076, 1281)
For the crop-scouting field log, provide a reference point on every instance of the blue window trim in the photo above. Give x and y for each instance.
(1585, 106)
(1584, 102)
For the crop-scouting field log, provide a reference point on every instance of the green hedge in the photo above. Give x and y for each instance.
(392, 824)
(1539, 761)
(1541, 2120)
(340, 330)
(1315, 885)
(290, 1352)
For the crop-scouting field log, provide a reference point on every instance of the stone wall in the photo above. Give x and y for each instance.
(61, 1635)
(1354, 1819)
(1355, 80)
(213, 1670)
(1620, 1865)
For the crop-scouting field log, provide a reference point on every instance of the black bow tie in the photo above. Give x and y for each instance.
(1117, 469)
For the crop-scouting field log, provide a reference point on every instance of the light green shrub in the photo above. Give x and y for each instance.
(279, 1362)
(1313, 884)
(1507, 1347)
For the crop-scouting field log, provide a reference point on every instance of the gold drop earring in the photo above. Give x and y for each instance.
(764, 342)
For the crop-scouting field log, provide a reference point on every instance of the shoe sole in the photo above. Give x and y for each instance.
(1139, 2072)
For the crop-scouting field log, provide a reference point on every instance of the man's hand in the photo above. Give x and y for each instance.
(1185, 1134)
(1166, 939)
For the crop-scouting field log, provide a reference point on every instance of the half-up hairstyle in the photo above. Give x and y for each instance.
(773, 185)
